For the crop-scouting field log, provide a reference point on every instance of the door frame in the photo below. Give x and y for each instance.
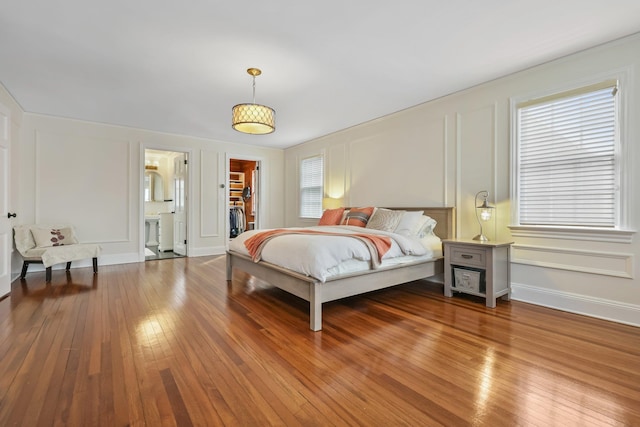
(188, 205)
(260, 161)
(6, 224)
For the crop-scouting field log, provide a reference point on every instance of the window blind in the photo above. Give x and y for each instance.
(567, 173)
(311, 187)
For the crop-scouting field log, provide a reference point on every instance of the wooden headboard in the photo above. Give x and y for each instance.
(445, 218)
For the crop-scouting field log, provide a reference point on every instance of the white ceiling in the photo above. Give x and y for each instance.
(179, 66)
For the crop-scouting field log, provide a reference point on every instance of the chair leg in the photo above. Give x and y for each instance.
(69, 266)
(25, 265)
(95, 265)
(48, 275)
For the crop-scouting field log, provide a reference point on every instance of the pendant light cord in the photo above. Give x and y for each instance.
(254, 89)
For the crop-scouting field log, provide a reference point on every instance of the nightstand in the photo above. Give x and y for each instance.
(477, 268)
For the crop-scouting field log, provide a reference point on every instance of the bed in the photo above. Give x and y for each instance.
(341, 285)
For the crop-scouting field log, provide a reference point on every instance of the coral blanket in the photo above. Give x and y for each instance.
(377, 245)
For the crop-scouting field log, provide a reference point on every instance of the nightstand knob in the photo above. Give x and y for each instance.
(466, 256)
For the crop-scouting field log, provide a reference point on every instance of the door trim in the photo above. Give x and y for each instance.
(6, 224)
(189, 193)
(261, 190)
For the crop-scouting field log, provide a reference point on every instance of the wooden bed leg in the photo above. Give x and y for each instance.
(315, 307)
(68, 266)
(229, 268)
(95, 265)
(47, 275)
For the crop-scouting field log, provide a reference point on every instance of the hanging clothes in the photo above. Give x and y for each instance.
(236, 221)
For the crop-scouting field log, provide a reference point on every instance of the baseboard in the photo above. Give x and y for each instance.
(207, 251)
(83, 263)
(614, 311)
(113, 259)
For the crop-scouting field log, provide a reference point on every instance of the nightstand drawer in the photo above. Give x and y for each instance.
(467, 256)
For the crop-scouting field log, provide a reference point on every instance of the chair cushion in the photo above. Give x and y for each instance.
(34, 254)
(59, 254)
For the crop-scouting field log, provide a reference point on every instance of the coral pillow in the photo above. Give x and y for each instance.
(331, 216)
(358, 217)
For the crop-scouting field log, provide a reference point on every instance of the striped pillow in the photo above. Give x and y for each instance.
(358, 217)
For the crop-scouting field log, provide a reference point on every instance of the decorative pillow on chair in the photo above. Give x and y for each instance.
(331, 216)
(45, 237)
(385, 219)
(358, 217)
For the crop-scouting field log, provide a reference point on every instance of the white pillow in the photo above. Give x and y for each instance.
(409, 223)
(46, 237)
(433, 243)
(425, 226)
(385, 219)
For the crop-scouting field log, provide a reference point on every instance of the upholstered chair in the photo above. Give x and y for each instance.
(50, 245)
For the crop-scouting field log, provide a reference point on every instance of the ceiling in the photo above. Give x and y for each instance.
(179, 67)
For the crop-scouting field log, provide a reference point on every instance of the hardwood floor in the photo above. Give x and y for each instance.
(170, 343)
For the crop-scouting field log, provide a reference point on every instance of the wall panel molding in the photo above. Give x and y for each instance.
(593, 262)
(62, 198)
(476, 153)
(209, 179)
(445, 160)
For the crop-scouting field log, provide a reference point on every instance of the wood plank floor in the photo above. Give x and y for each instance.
(168, 343)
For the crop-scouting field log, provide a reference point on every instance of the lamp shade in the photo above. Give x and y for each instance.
(485, 210)
(253, 118)
(331, 203)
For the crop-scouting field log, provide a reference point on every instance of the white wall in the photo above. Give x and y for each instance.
(442, 152)
(90, 175)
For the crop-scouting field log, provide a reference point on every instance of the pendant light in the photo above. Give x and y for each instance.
(253, 118)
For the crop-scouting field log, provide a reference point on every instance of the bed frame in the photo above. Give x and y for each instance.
(316, 292)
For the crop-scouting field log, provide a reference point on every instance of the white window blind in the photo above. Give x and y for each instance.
(567, 145)
(311, 187)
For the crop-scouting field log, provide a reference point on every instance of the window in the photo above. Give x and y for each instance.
(311, 188)
(567, 150)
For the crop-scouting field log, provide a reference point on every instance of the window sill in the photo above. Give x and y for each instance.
(573, 233)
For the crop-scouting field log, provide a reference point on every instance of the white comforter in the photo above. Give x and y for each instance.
(317, 256)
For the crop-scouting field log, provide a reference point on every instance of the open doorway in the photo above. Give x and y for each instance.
(165, 218)
(244, 196)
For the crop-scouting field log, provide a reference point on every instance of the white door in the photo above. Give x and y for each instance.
(180, 216)
(5, 222)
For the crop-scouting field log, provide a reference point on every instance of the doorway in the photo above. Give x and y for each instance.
(244, 196)
(165, 211)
